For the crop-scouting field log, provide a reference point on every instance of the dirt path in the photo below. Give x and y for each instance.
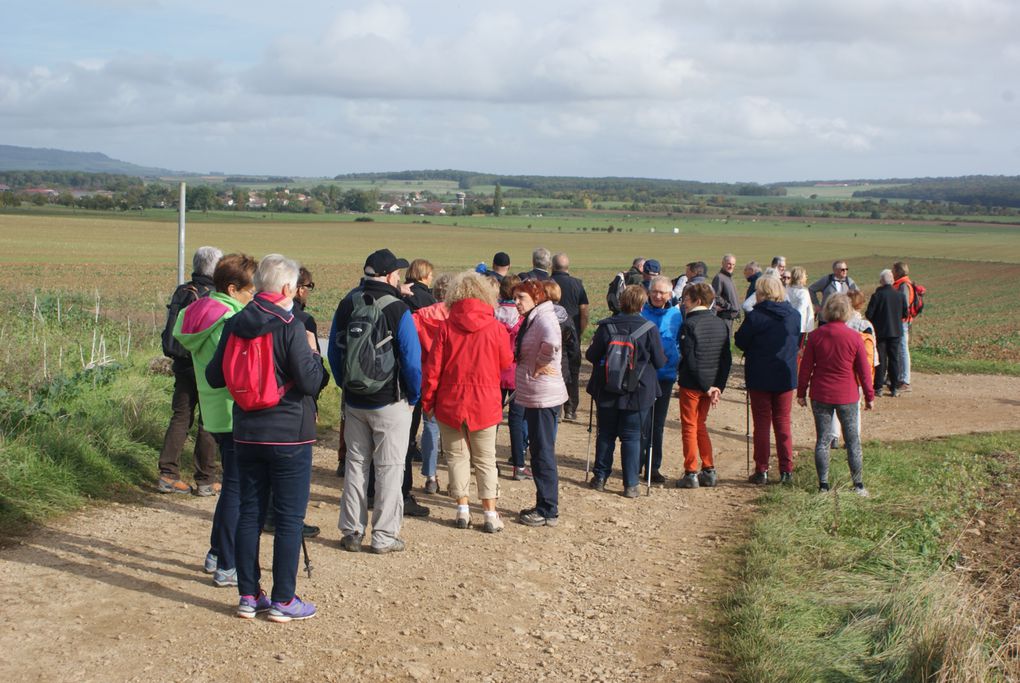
(621, 589)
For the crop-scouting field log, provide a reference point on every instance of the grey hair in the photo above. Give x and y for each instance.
(541, 258)
(776, 260)
(658, 280)
(560, 262)
(753, 267)
(275, 271)
(636, 261)
(205, 259)
(885, 277)
(770, 272)
(727, 256)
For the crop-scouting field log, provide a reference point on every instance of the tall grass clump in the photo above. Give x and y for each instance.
(835, 587)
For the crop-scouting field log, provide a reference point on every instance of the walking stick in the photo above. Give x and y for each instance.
(308, 564)
(587, 453)
(648, 424)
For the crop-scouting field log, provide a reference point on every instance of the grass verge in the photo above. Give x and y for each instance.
(840, 588)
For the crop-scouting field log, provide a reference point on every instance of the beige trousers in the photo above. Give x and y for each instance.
(464, 449)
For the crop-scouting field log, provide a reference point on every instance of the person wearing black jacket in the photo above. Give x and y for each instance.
(621, 416)
(185, 396)
(419, 279)
(705, 361)
(274, 445)
(886, 310)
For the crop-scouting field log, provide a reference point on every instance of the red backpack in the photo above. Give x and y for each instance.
(250, 372)
(917, 305)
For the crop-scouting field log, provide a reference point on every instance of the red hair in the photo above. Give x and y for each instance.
(534, 289)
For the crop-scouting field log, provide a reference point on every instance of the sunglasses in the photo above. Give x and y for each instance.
(310, 285)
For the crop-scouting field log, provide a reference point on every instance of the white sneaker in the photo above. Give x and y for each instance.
(463, 518)
(493, 524)
(861, 491)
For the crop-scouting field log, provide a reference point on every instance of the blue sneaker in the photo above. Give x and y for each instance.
(210, 562)
(295, 610)
(250, 605)
(225, 577)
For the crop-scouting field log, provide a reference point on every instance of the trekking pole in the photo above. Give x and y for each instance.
(308, 564)
(648, 421)
(587, 453)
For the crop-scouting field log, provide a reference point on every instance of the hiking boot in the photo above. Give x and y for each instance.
(571, 416)
(463, 520)
(707, 477)
(351, 543)
(688, 481)
(206, 490)
(522, 474)
(172, 486)
(250, 605)
(631, 491)
(295, 610)
(210, 563)
(759, 478)
(309, 531)
(786, 478)
(657, 477)
(431, 485)
(413, 509)
(493, 524)
(225, 577)
(823, 487)
(535, 518)
(597, 483)
(395, 547)
(861, 491)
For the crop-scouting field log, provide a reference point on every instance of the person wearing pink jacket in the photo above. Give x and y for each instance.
(541, 391)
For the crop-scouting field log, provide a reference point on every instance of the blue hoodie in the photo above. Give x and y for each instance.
(769, 337)
(668, 320)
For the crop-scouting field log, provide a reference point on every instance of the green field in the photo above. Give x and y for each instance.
(832, 191)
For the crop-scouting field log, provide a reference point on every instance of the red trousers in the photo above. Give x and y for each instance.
(771, 411)
(694, 407)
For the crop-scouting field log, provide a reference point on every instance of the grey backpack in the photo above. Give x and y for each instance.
(369, 360)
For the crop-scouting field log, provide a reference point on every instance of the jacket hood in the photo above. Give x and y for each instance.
(259, 317)
(561, 313)
(471, 315)
(776, 309)
(650, 311)
(437, 311)
(203, 318)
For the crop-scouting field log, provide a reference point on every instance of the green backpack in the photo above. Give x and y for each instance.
(369, 361)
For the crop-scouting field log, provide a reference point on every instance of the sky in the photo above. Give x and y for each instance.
(711, 90)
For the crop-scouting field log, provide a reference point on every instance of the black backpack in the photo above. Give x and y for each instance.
(183, 296)
(616, 288)
(621, 372)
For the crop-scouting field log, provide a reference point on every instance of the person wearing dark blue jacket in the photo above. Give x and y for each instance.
(622, 416)
(274, 444)
(377, 425)
(769, 338)
(667, 319)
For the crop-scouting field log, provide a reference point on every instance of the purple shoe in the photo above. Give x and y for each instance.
(295, 610)
(251, 605)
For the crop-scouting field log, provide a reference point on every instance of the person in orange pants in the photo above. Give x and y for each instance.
(705, 362)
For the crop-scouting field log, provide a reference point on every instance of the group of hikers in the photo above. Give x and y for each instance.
(453, 355)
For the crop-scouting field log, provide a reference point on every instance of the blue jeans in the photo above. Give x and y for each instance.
(905, 354)
(651, 437)
(625, 425)
(518, 433)
(228, 506)
(848, 414)
(429, 446)
(542, 433)
(287, 471)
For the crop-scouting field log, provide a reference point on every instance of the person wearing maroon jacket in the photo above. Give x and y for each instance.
(835, 363)
(461, 388)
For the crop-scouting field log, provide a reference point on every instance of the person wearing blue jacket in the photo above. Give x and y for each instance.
(377, 426)
(769, 338)
(667, 319)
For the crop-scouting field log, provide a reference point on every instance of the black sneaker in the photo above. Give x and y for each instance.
(786, 478)
(310, 531)
(413, 509)
(823, 487)
(657, 478)
(597, 483)
(759, 478)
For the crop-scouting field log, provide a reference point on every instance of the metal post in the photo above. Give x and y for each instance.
(180, 236)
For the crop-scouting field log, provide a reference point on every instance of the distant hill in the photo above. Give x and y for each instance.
(40, 159)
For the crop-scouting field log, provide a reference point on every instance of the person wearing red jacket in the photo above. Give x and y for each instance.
(461, 389)
(835, 363)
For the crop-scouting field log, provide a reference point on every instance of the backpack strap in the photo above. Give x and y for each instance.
(647, 327)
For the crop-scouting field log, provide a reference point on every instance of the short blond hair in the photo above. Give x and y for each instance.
(770, 288)
(553, 290)
(419, 270)
(798, 276)
(633, 299)
(471, 285)
(837, 308)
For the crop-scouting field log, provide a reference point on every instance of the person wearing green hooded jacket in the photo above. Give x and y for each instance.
(198, 329)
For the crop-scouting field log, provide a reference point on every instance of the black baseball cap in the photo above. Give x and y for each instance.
(501, 259)
(383, 262)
